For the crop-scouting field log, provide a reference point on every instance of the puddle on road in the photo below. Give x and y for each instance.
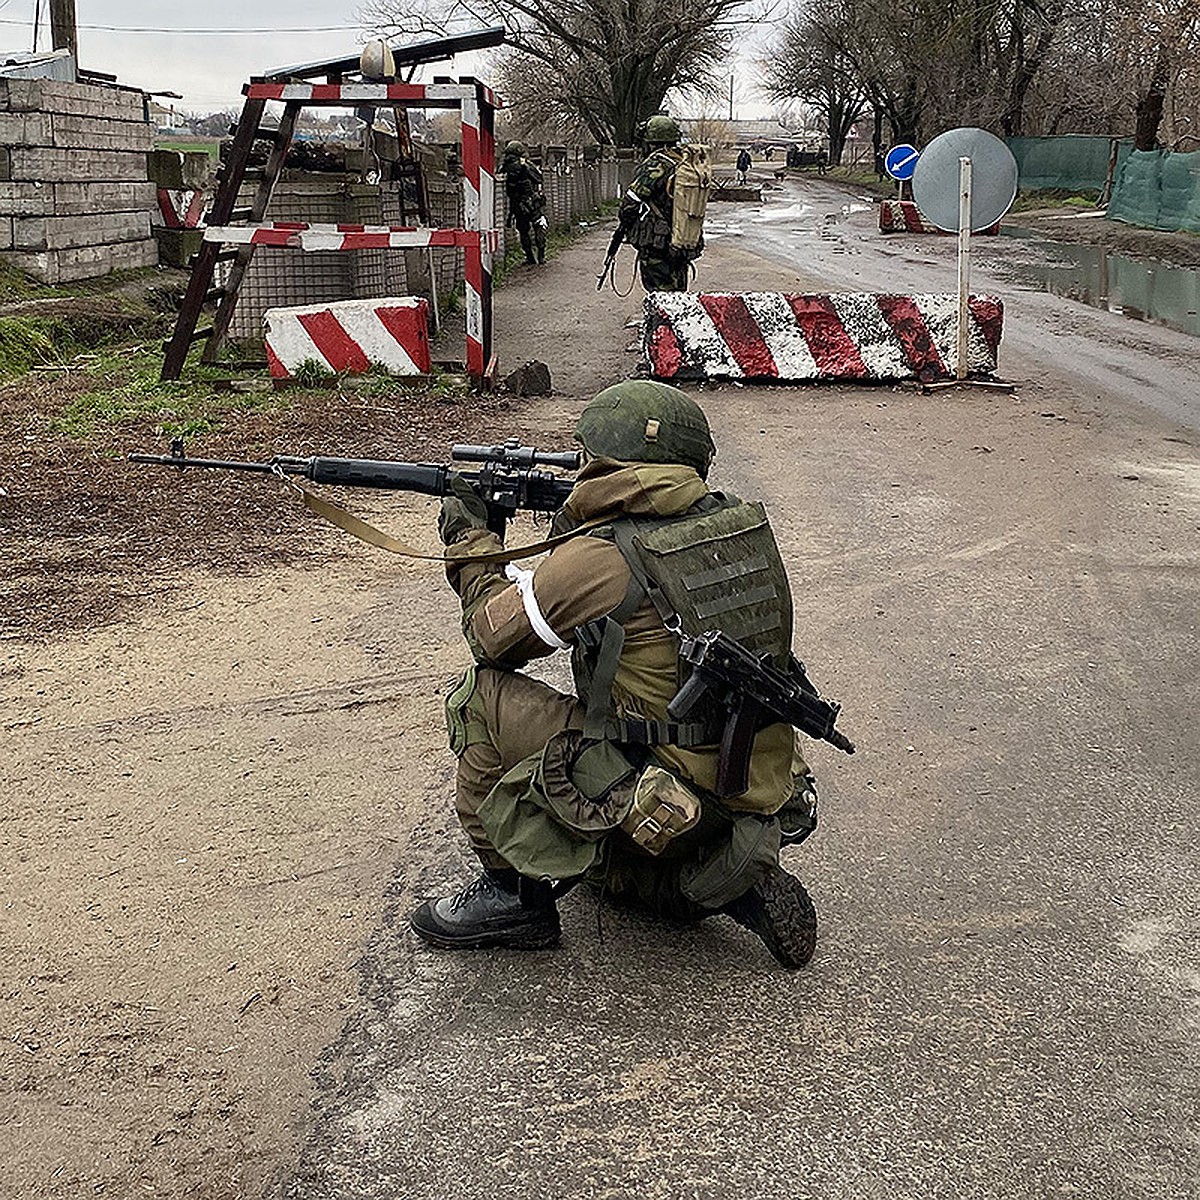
(1137, 288)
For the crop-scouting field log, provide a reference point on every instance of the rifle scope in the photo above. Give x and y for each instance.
(513, 454)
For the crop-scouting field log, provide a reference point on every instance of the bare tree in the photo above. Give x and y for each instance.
(1163, 37)
(810, 62)
(605, 63)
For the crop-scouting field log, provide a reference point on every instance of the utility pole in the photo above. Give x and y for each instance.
(62, 27)
(731, 97)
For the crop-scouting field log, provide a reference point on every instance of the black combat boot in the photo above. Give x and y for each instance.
(501, 908)
(779, 910)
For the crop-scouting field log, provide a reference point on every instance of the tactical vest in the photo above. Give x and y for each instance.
(715, 567)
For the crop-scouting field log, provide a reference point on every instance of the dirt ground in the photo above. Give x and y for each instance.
(158, 1040)
(185, 900)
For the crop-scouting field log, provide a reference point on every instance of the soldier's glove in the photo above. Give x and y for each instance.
(461, 511)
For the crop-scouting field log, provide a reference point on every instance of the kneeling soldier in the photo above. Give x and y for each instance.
(606, 784)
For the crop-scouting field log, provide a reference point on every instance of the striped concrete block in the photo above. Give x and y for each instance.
(350, 335)
(903, 216)
(769, 335)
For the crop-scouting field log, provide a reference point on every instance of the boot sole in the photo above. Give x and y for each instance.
(792, 917)
(783, 917)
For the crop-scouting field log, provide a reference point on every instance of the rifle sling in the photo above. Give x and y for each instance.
(356, 527)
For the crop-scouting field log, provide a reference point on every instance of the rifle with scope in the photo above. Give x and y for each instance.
(508, 478)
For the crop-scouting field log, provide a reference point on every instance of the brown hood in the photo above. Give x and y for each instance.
(606, 487)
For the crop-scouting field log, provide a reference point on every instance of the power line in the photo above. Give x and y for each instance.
(200, 32)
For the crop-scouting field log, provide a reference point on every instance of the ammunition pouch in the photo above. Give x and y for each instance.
(549, 815)
(663, 808)
(588, 786)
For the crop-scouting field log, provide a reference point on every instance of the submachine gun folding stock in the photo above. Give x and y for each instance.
(753, 693)
(507, 480)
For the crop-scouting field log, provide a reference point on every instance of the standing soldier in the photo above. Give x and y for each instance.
(662, 215)
(526, 201)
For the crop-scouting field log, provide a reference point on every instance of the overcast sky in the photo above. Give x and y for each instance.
(160, 46)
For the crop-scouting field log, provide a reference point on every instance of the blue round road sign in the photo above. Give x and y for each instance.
(901, 161)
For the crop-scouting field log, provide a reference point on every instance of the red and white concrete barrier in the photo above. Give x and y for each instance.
(350, 335)
(769, 335)
(903, 216)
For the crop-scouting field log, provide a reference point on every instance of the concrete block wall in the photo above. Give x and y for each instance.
(75, 199)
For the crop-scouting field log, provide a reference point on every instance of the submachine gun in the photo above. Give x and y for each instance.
(508, 479)
(751, 692)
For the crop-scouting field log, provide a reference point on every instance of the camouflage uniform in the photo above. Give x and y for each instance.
(526, 203)
(501, 720)
(645, 217)
(543, 793)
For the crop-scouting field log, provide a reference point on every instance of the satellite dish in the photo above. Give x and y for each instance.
(935, 182)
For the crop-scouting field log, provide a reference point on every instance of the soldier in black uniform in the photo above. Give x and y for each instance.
(526, 201)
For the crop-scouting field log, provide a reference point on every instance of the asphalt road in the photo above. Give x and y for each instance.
(1006, 996)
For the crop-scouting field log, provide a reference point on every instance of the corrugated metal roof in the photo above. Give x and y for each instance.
(53, 64)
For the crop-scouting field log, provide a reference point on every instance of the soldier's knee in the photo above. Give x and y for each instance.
(466, 721)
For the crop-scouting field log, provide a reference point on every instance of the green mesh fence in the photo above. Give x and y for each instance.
(1156, 189)
(1075, 163)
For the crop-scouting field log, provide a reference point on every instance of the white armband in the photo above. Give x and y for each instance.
(524, 581)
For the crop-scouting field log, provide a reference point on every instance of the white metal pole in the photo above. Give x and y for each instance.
(964, 265)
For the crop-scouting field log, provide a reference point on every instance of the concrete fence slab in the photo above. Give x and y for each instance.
(73, 131)
(83, 262)
(81, 99)
(72, 198)
(25, 198)
(62, 233)
(770, 335)
(55, 165)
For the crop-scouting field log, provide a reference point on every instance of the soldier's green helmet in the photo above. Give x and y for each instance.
(514, 150)
(662, 130)
(644, 421)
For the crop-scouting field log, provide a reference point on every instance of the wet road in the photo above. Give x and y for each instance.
(1006, 997)
(831, 239)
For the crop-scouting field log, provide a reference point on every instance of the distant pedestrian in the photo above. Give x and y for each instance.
(743, 165)
(822, 161)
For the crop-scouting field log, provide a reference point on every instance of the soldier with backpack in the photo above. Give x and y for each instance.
(607, 784)
(662, 214)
